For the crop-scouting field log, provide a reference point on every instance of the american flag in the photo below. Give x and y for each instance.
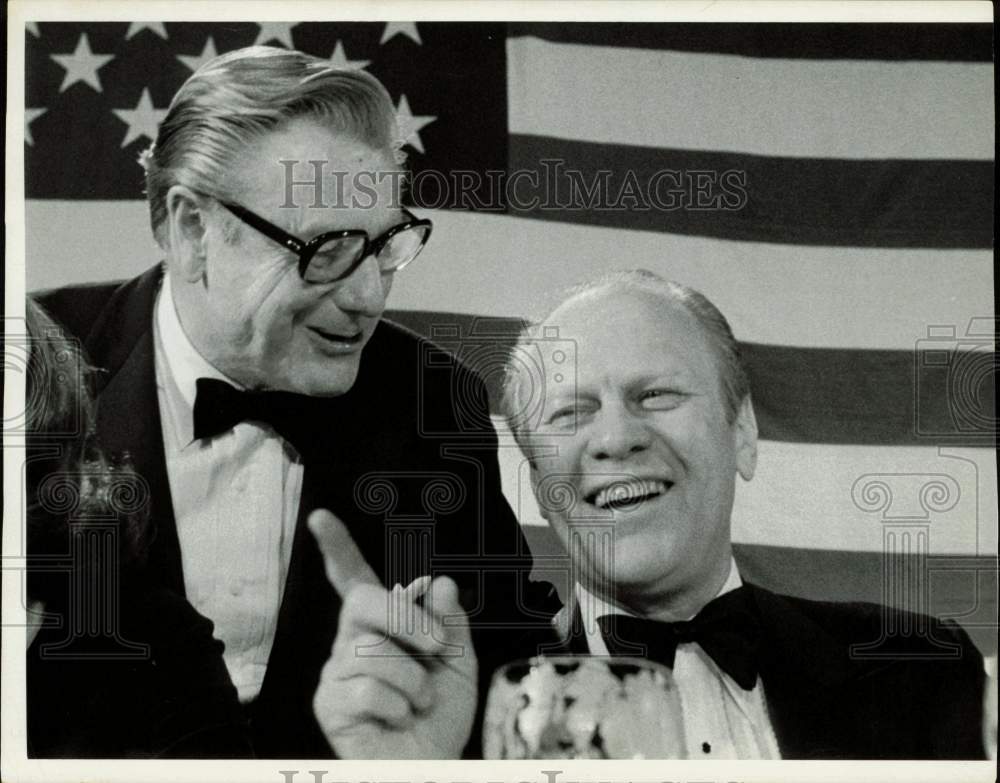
(856, 268)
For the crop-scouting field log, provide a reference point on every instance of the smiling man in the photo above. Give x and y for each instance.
(252, 380)
(632, 405)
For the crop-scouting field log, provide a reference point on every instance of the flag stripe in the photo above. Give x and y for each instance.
(774, 294)
(787, 108)
(801, 395)
(805, 201)
(832, 497)
(949, 42)
(496, 265)
(809, 495)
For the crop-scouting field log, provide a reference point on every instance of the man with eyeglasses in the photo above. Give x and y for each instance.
(253, 382)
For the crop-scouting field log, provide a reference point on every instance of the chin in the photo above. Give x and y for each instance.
(326, 388)
(629, 569)
(324, 378)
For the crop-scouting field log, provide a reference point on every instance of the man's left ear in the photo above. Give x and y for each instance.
(746, 440)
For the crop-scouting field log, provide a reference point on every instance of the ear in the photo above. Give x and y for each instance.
(186, 222)
(746, 440)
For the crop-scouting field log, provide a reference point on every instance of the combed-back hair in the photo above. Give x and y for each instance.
(239, 96)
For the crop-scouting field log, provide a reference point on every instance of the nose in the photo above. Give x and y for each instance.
(617, 434)
(364, 290)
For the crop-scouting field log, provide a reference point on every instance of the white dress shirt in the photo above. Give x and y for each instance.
(721, 720)
(235, 499)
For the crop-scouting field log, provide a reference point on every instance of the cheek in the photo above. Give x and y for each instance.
(700, 440)
(277, 303)
(560, 467)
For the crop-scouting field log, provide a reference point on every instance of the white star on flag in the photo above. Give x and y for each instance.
(143, 120)
(30, 115)
(339, 59)
(195, 61)
(137, 27)
(82, 65)
(32, 27)
(409, 29)
(279, 31)
(410, 124)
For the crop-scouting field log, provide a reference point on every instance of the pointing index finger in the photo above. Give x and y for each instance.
(345, 566)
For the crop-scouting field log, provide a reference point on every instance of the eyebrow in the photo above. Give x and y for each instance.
(671, 378)
(561, 400)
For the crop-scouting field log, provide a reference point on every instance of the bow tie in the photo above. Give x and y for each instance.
(725, 629)
(218, 407)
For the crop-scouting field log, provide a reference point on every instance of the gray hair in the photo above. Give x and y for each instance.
(732, 372)
(240, 96)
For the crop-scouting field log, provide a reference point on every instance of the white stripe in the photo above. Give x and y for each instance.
(811, 496)
(70, 242)
(813, 108)
(499, 265)
(778, 294)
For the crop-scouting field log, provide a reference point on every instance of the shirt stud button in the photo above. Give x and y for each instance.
(706, 748)
(236, 589)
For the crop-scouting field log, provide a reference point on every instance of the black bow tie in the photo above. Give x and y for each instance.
(726, 629)
(218, 407)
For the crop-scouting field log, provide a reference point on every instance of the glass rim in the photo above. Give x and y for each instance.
(567, 659)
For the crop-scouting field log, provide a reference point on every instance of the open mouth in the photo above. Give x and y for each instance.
(338, 338)
(629, 494)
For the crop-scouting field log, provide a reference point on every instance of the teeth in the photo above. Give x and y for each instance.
(628, 491)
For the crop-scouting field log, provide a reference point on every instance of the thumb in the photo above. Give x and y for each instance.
(345, 566)
(458, 652)
(442, 602)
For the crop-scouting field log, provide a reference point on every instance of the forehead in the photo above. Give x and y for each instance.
(619, 336)
(312, 175)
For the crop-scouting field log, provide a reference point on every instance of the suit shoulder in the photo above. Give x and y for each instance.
(393, 342)
(77, 307)
(859, 622)
(452, 399)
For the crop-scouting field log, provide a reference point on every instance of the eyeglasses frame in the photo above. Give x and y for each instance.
(306, 250)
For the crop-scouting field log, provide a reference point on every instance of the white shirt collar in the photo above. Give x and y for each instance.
(179, 365)
(592, 607)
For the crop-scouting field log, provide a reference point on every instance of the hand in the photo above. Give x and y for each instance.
(400, 683)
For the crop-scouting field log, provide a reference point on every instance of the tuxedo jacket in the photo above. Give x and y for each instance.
(406, 458)
(856, 680)
(155, 688)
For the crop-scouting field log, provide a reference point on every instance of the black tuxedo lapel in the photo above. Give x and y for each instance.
(128, 413)
(801, 670)
(805, 672)
(567, 637)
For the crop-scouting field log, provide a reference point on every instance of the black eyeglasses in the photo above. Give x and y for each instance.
(334, 255)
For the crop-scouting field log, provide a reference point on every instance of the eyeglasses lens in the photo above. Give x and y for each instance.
(401, 248)
(334, 259)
